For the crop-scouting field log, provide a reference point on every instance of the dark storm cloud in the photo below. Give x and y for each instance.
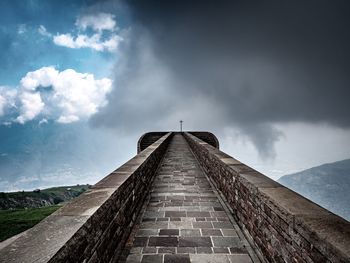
(242, 64)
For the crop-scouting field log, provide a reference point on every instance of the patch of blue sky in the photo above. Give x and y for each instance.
(24, 49)
(39, 152)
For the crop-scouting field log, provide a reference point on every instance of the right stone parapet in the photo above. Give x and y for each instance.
(207, 137)
(283, 225)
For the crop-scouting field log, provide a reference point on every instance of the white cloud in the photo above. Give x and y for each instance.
(42, 77)
(79, 95)
(31, 106)
(65, 40)
(112, 43)
(98, 22)
(7, 98)
(42, 31)
(65, 96)
(84, 41)
(2, 105)
(67, 119)
(103, 38)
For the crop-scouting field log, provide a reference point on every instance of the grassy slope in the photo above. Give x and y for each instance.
(13, 222)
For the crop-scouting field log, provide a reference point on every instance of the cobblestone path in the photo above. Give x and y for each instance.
(184, 220)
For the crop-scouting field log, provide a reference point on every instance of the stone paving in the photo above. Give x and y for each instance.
(184, 220)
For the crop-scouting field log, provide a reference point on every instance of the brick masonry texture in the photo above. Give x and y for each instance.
(95, 226)
(284, 226)
(184, 220)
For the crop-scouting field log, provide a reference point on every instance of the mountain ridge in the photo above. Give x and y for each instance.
(40, 198)
(327, 185)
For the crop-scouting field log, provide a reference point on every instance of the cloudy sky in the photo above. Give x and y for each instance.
(80, 81)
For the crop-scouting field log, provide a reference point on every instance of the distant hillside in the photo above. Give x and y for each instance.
(40, 198)
(327, 185)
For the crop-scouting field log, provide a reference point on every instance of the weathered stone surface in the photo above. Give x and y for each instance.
(195, 242)
(87, 204)
(190, 232)
(207, 137)
(152, 259)
(324, 232)
(163, 242)
(258, 180)
(169, 232)
(113, 180)
(147, 139)
(239, 259)
(205, 258)
(226, 242)
(177, 258)
(211, 232)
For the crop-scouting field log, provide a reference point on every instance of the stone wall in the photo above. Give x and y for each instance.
(95, 226)
(207, 137)
(148, 139)
(283, 226)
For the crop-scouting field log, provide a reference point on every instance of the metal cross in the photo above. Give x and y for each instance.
(181, 125)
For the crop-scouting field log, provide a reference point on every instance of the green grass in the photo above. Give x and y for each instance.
(13, 222)
(17, 218)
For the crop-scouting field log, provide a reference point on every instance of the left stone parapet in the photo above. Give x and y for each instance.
(95, 226)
